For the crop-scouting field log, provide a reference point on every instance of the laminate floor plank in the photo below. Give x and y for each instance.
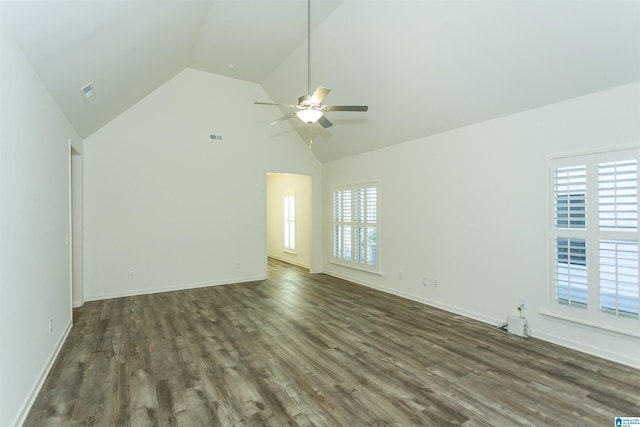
(311, 350)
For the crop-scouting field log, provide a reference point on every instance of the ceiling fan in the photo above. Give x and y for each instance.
(309, 108)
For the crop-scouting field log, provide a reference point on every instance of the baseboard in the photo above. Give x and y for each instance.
(573, 345)
(33, 394)
(290, 261)
(586, 348)
(180, 287)
(451, 309)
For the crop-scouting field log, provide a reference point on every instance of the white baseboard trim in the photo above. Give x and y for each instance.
(451, 309)
(21, 416)
(586, 348)
(179, 287)
(290, 261)
(573, 345)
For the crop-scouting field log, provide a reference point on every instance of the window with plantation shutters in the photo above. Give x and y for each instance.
(594, 238)
(342, 224)
(570, 186)
(618, 195)
(355, 226)
(618, 223)
(619, 278)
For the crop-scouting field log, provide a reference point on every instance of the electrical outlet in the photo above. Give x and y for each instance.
(401, 275)
(237, 265)
(425, 280)
(50, 325)
(132, 275)
(522, 302)
(436, 283)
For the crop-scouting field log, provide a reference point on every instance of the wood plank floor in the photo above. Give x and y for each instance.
(301, 349)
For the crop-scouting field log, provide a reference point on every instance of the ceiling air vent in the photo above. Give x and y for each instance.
(87, 91)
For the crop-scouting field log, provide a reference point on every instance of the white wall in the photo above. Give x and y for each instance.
(469, 207)
(278, 186)
(181, 210)
(34, 227)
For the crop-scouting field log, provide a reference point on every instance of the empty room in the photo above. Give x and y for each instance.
(319, 212)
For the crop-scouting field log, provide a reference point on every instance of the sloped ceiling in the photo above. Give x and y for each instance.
(422, 66)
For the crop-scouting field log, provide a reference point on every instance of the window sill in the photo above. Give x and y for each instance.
(290, 252)
(591, 324)
(354, 266)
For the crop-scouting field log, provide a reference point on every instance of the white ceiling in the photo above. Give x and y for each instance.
(422, 66)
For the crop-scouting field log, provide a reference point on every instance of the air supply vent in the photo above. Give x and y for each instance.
(87, 91)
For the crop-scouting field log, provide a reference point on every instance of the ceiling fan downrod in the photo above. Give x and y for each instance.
(309, 108)
(309, 47)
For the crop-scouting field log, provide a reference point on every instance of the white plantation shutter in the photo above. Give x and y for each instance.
(619, 278)
(618, 195)
(359, 238)
(571, 272)
(570, 191)
(342, 224)
(618, 213)
(355, 225)
(570, 188)
(594, 238)
(337, 228)
(372, 225)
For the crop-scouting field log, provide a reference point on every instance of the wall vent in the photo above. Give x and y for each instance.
(87, 91)
(216, 137)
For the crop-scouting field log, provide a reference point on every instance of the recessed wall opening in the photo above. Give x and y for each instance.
(289, 236)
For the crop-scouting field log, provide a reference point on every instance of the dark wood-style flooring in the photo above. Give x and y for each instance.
(301, 349)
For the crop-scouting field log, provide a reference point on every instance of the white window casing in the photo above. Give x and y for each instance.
(290, 222)
(356, 226)
(593, 230)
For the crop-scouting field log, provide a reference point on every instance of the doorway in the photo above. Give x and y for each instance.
(289, 208)
(77, 284)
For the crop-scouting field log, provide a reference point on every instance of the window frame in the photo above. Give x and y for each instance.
(289, 223)
(365, 224)
(594, 235)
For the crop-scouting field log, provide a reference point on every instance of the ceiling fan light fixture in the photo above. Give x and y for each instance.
(309, 108)
(309, 116)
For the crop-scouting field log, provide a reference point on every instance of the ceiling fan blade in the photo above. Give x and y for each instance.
(345, 108)
(282, 119)
(319, 94)
(272, 103)
(324, 122)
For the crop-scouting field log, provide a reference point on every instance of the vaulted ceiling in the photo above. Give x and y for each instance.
(422, 66)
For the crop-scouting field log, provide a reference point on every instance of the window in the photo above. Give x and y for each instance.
(594, 238)
(570, 185)
(355, 226)
(290, 222)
